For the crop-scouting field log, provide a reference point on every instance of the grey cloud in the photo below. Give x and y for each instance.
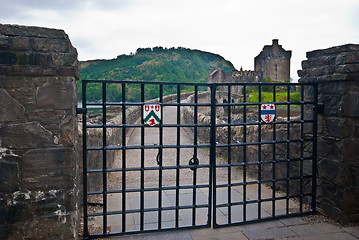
(112, 4)
(19, 8)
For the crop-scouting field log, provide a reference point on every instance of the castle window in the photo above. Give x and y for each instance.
(276, 67)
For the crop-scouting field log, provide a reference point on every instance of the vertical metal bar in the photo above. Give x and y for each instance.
(123, 99)
(259, 152)
(213, 181)
(84, 158)
(288, 149)
(244, 154)
(160, 160)
(274, 157)
(178, 163)
(104, 157)
(301, 147)
(229, 140)
(195, 155)
(314, 164)
(142, 193)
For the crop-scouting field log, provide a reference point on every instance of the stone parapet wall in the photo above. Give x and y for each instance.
(38, 126)
(336, 70)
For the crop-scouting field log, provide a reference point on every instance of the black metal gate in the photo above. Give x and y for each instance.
(205, 155)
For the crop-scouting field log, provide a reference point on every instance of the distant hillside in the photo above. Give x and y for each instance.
(157, 64)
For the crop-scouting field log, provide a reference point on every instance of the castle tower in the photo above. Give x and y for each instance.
(274, 62)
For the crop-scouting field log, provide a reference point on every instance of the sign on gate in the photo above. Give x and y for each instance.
(268, 112)
(152, 114)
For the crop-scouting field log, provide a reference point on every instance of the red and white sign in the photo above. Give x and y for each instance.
(268, 112)
(152, 114)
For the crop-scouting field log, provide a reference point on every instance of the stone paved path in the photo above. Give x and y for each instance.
(299, 228)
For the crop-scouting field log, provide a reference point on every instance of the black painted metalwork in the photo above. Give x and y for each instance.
(149, 185)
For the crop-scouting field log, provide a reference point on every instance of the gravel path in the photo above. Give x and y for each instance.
(151, 178)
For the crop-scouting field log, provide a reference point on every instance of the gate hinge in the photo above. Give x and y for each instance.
(81, 110)
(319, 108)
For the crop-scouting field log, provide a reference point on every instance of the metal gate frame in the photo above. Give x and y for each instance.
(308, 99)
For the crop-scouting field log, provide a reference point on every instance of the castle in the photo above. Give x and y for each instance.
(273, 62)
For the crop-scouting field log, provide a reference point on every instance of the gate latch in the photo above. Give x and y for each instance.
(159, 156)
(81, 110)
(193, 162)
(319, 108)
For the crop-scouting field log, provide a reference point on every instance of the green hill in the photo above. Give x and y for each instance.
(157, 64)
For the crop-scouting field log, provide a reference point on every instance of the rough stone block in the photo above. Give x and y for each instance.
(351, 150)
(320, 71)
(49, 168)
(347, 68)
(347, 57)
(4, 42)
(32, 59)
(20, 43)
(330, 171)
(337, 127)
(27, 135)
(319, 61)
(68, 71)
(19, 211)
(350, 201)
(9, 176)
(350, 105)
(333, 88)
(17, 30)
(50, 45)
(64, 59)
(333, 50)
(56, 96)
(10, 109)
(35, 70)
(4, 231)
(8, 58)
(332, 105)
(333, 211)
(356, 128)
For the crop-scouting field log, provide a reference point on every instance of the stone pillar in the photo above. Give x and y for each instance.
(38, 129)
(336, 70)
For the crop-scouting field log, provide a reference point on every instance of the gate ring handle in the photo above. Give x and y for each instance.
(158, 157)
(193, 162)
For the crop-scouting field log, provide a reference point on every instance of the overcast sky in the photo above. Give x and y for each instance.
(235, 29)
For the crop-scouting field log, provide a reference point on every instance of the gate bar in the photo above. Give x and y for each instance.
(84, 159)
(178, 163)
(212, 156)
(259, 154)
(160, 152)
(123, 85)
(229, 152)
(245, 155)
(195, 156)
(104, 158)
(314, 164)
(142, 194)
(274, 156)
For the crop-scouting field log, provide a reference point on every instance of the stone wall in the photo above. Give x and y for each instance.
(38, 131)
(336, 70)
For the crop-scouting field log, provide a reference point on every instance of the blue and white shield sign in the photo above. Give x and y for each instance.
(268, 112)
(152, 114)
